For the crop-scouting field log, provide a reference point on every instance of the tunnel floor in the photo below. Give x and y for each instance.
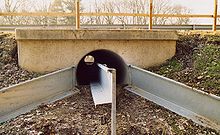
(77, 115)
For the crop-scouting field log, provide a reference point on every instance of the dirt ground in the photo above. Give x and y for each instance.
(77, 115)
(135, 115)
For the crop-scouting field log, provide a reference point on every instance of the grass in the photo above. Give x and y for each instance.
(197, 63)
(170, 67)
(207, 65)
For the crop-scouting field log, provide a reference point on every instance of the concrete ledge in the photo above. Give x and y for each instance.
(64, 34)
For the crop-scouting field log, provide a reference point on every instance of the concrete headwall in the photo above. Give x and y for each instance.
(47, 50)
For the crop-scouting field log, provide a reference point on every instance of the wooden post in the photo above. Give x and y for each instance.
(77, 10)
(215, 15)
(150, 14)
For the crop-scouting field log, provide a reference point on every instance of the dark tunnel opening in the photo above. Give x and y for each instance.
(88, 72)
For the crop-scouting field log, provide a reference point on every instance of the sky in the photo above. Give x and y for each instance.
(199, 7)
(196, 6)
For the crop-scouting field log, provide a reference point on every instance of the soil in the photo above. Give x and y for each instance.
(10, 72)
(77, 115)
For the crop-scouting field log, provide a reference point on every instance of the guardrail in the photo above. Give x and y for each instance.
(11, 28)
(21, 98)
(77, 14)
(201, 107)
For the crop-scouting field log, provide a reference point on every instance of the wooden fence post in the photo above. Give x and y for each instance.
(215, 15)
(77, 10)
(150, 14)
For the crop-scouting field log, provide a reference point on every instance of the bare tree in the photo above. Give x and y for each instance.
(166, 7)
(161, 7)
(63, 6)
(130, 6)
(13, 6)
(54, 6)
(42, 20)
(178, 9)
(98, 9)
(122, 6)
(105, 6)
(137, 6)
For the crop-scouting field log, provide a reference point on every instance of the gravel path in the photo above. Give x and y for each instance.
(77, 115)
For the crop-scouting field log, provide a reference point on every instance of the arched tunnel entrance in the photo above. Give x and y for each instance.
(89, 72)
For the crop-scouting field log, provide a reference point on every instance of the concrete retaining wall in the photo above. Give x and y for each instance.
(48, 50)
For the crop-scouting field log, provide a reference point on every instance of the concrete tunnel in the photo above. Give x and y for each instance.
(89, 72)
(48, 50)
